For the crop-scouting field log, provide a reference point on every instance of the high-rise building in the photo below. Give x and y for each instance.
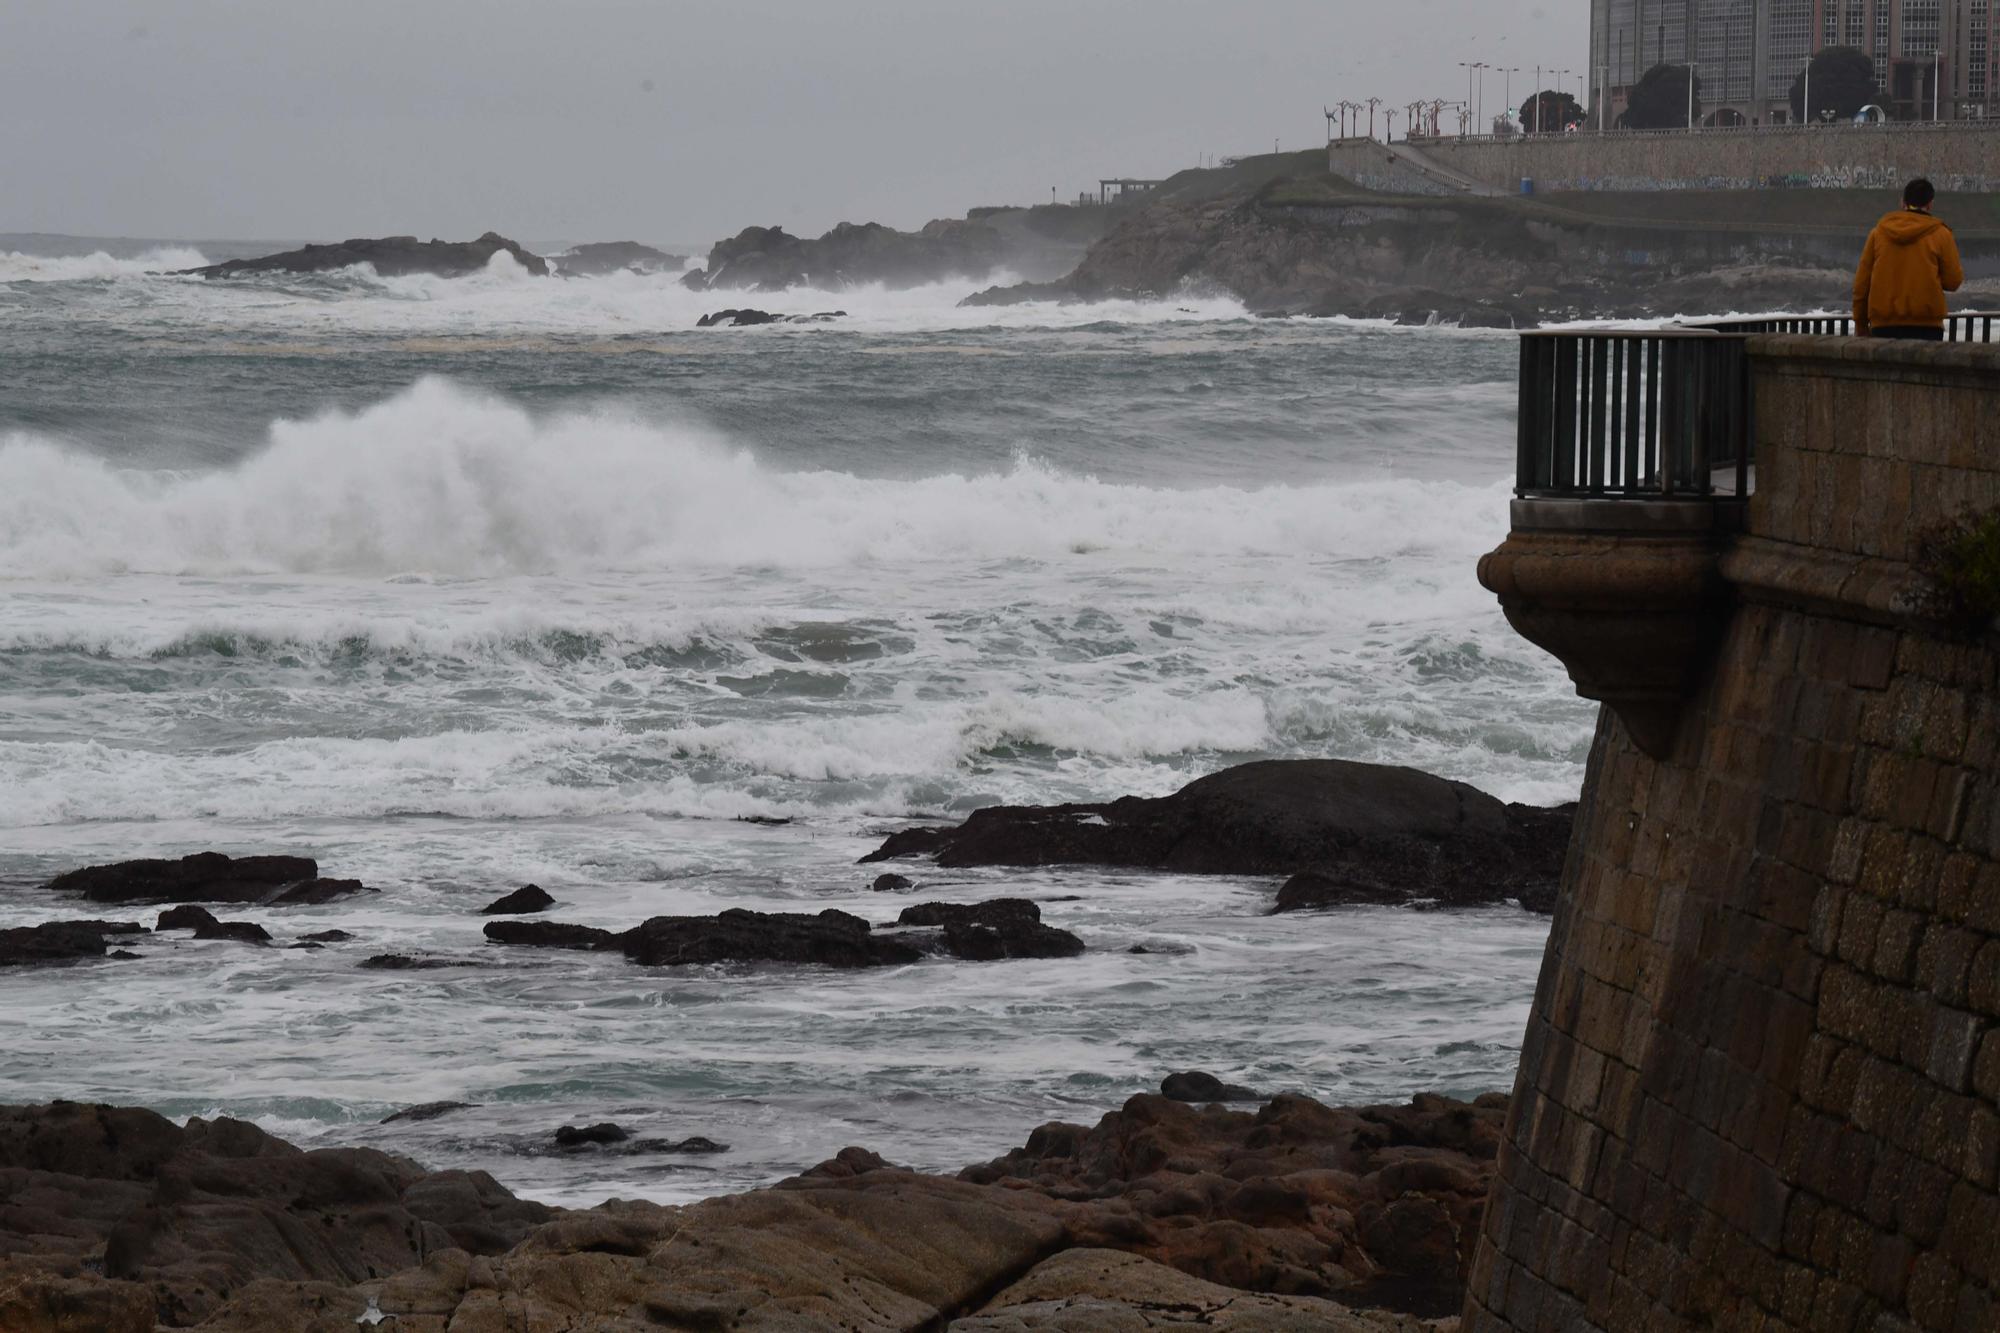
(1748, 52)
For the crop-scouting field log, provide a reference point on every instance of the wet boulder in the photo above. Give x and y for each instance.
(528, 898)
(1397, 829)
(205, 877)
(1193, 1085)
(59, 941)
(205, 927)
(831, 938)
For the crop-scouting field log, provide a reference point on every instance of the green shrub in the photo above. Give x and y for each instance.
(1960, 565)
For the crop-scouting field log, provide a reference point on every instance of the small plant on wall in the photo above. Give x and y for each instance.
(1959, 563)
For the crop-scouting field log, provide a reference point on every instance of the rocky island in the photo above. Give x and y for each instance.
(389, 256)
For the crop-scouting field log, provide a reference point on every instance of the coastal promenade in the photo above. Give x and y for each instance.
(1760, 1085)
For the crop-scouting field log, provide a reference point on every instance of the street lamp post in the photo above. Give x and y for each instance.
(1389, 125)
(1510, 73)
(1537, 95)
(1373, 102)
(1691, 68)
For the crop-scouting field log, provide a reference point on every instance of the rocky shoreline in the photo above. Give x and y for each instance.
(1293, 1216)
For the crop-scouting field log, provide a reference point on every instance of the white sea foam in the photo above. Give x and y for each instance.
(445, 481)
(18, 267)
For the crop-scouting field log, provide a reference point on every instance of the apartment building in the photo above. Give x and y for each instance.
(1931, 57)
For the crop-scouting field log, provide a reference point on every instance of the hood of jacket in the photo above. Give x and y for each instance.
(1906, 226)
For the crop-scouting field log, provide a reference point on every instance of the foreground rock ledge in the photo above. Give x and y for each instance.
(1159, 1216)
(1390, 834)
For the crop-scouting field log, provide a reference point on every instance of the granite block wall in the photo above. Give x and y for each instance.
(1760, 1087)
(1957, 158)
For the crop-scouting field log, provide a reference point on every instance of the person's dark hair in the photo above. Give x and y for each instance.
(1919, 193)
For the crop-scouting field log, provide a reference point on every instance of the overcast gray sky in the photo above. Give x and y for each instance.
(680, 120)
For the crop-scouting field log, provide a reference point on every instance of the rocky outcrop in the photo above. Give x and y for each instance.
(769, 259)
(1313, 244)
(104, 1202)
(598, 258)
(209, 877)
(1161, 1215)
(1399, 833)
(526, 899)
(60, 941)
(1297, 1198)
(389, 256)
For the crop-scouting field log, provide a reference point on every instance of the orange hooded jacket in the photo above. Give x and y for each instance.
(1908, 265)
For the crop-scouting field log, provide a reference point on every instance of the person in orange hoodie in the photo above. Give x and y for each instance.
(1908, 265)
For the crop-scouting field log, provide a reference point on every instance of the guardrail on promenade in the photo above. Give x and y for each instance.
(1655, 413)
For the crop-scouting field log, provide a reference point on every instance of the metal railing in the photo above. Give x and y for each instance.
(1656, 413)
(1964, 326)
(1633, 413)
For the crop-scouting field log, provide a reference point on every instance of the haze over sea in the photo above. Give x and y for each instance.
(462, 584)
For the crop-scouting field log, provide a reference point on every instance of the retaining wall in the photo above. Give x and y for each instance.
(1957, 158)
(1760, 1087)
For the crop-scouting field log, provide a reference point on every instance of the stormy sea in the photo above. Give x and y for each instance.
(463, 584)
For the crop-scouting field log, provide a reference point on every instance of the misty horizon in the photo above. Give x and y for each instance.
(684, 125)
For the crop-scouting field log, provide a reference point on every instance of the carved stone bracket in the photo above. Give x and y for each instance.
(1633, 615)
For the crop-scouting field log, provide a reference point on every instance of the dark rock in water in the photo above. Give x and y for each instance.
(993, 912)
(390, 256)
(1021, 293)
(892, 883)
(832, 938)
(188, 1217)
(1311, 890)
(529, 898)
(598, 258)
(305, 944)
(550, 935)
(55, 942)
(124, 953)
(769, 259)
(205, 927)
(327, 936)
(1196, 1086)
(573, 1136)
(396, 962)
(695, 1144)
(766, 821)
(425, 1111)
(205, 877)
(1014, 939)
(737, 319)
(312, 892)
(1138, 948)
(1397, 828)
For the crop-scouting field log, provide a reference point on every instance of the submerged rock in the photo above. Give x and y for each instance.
(1196, 1086)
(205, 927)
(892, 883)
(397, 962)
(528, 898)
(1311, 890)
(389, 256)
(574, 1136)
(425, 1111)
(327, 937)
(1403, 833)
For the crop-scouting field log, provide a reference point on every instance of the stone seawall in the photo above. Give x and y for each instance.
(1760, 1087)
(1957, 158)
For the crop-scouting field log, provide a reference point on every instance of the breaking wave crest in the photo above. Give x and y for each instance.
(18, 267)
(443, 481)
